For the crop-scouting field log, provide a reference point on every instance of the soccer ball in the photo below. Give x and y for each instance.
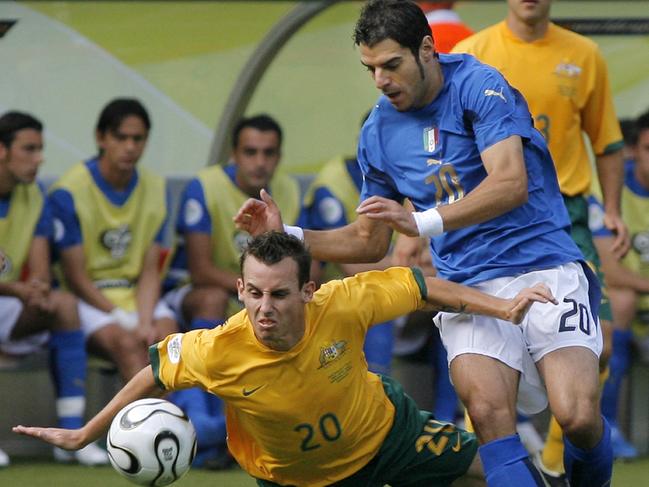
(151, 442)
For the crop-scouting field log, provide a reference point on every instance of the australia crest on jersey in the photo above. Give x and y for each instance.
(117, 240)
(332, 352)
(431, 138)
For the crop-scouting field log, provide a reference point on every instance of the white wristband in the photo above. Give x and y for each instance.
(295, 231)
(429, 222)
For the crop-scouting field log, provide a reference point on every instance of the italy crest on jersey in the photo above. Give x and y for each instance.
(431, 138)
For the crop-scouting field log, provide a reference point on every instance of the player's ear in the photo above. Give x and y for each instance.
(307, 291)
(240, 288)
(3, 151)
(427, 49)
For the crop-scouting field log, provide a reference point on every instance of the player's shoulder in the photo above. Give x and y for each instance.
(478, 40)
(565, 37)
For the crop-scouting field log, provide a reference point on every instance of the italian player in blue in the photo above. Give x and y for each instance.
(453, 137)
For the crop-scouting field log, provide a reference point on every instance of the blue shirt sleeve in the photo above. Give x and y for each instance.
(193, 216)
(67, 229)
(44, 226)
(161, 237)
(596, 218)
(326, 212)
(495, 110)
(375, 180)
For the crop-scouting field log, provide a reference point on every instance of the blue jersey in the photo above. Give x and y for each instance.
(431, 155)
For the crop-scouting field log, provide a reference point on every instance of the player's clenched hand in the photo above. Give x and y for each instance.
(520, 304)
(64, 438)
(259, 216)
(389, 212)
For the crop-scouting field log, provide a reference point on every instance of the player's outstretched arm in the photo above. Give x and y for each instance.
(449, 296)
(141, 386)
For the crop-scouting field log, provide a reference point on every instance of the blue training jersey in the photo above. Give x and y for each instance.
(431, 155)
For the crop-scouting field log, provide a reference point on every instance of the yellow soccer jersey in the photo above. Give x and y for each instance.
(310, 416)
(17, 229)
(564, 79)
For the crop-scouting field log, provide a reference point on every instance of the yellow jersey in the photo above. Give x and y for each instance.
(564, 79)
(17, 229)
(312, 415)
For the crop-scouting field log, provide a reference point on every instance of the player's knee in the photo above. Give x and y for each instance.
(486, 412)
(580, 420)
(64, 310)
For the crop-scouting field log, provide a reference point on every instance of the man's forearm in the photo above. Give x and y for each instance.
(449, 296)
(353, 243)
(140, 386)
(610, 171)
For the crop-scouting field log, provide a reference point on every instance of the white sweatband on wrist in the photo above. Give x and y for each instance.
(429, 222)
(295, 231)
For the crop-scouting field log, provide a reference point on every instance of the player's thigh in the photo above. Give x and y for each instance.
(442, 453)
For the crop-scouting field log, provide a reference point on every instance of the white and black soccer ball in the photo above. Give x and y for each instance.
(151, 442)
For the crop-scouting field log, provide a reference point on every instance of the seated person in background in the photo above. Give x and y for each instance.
(32, 314)
(328, 419)
(109, 218)
(209, 250)
(330, 202)
(627, 279)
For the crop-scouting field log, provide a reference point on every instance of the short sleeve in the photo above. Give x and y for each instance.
(596, 218)
(599, 120)
(193, 216)
(494, 109)
(176, 361)
(67, 229)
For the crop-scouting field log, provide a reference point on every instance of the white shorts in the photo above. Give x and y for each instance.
(93, 319)
(546, 327)
(10, 310)
(174, 299)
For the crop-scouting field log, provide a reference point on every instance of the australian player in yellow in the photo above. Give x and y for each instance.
(302, 407)
(109, 221)
(205, 267)
(32, 314)
(563, 77)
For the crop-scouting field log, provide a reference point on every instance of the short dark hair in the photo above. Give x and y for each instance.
(12, 122)
(400, 20)
(262, 122)
(272, 247)
(113, 114)
(641, 123)
(629, 131)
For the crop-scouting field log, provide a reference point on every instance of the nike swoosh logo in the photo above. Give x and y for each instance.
(246, 393)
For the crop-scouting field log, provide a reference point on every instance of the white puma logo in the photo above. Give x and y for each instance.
(499, 94)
